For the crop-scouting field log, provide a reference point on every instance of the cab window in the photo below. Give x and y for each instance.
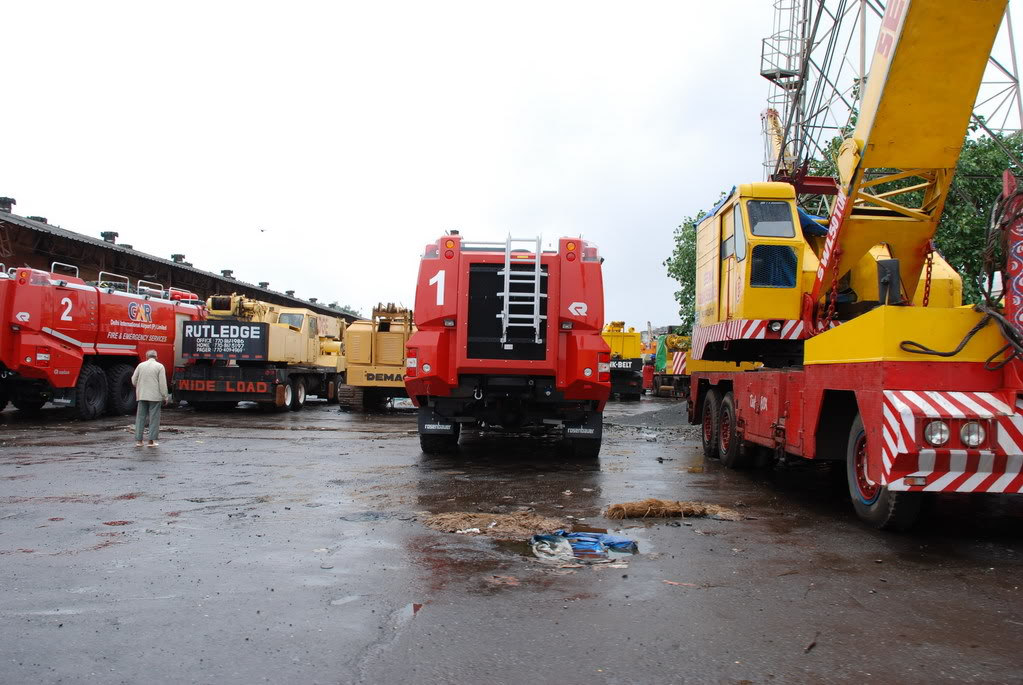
(293, 320)
(771, 218)
(740, 235)
(727, 237)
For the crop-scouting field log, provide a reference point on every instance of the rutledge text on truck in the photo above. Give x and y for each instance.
(869, 357)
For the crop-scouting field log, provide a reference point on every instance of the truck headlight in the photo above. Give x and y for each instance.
(972, 433)
(936, 433)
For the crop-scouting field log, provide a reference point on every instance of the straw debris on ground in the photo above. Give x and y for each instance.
(661, 508)
(520, 524)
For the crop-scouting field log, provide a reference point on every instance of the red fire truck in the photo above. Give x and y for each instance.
(76, 344)
(509, 339)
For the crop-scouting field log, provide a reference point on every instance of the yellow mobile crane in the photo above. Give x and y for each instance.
(260, 352)
(870, 359)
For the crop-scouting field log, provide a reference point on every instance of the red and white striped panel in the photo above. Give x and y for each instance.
(678, 363)
(998, 468)
(745, 329)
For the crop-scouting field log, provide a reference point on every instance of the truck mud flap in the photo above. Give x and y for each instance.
(591, 427)
(431, 424)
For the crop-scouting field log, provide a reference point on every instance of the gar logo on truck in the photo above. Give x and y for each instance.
(508, 339)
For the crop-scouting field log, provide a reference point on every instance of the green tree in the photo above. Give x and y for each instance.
(681, 266)
(975, 188)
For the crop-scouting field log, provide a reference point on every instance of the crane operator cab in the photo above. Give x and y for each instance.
(757, 255)
(752, 260)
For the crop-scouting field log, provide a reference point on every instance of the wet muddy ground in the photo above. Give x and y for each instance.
(254, 547)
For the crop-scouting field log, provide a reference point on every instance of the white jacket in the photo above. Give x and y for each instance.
(150, 381)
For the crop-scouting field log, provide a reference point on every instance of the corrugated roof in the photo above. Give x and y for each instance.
(99, 242)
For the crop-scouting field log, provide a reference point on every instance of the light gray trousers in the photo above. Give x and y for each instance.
(151, 411)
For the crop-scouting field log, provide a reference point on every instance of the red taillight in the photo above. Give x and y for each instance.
(42, 356)
(603, 367)
(411, 364)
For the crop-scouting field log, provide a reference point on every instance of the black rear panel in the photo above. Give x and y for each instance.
(485, 304)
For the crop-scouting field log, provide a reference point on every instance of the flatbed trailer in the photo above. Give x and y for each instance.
(227, 364)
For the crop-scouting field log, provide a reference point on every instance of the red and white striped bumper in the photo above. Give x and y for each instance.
(678, 363)
(910, 464)
(745, 329)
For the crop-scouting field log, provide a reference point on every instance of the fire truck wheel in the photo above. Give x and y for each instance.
(28, 405)
(729, 443)
(440, 444)
(874, 503)
(709, 421)
(297, 394)
(122, 392)
(91, 392)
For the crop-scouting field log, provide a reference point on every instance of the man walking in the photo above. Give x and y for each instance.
(150, 381)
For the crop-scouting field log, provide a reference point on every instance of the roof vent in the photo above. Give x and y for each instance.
(109, 236)
(124, 245)
(6, 203)
(289, 293)
(178, 258)
(332, 305)
(227, 273)
(313, 300)
(40, 219)
(264, 284)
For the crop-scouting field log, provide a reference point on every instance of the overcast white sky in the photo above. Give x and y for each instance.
(354, 133)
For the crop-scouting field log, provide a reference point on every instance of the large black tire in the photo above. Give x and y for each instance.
(440, 444)
(28, 405)
(289, 397)
(91, 392)
(122, 393)
(730, 447)
(709, 422)
(297, 394)
(874, 503)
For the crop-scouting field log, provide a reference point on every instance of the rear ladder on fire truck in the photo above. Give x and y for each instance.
(522, 309)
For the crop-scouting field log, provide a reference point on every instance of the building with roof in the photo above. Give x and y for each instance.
(32, 241)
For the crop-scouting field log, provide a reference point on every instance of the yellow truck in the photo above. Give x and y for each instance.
(375, 358)
(626, 360)
(249, 350)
